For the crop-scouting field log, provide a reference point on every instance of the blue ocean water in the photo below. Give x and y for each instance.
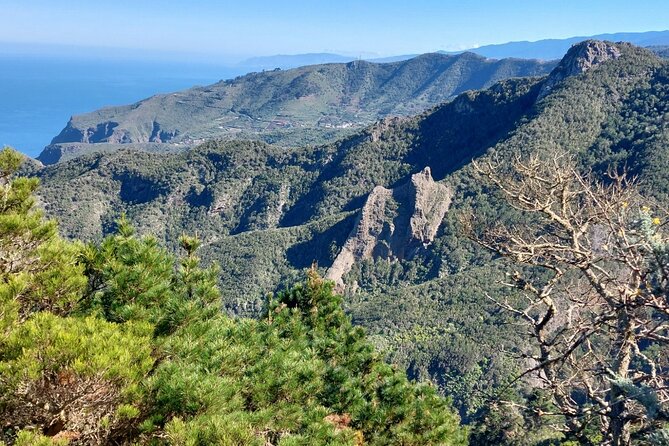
(39, 94)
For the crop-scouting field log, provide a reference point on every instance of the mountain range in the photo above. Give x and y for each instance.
(304, 105)
(545, 49)
(548, 49)
(377, 210)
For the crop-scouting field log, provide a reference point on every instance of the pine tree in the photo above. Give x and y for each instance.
(129, 277)
(38, 270)
(66, 377)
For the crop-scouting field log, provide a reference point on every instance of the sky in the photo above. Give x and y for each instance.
(244, 28)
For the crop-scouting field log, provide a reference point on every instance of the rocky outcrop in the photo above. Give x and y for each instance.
(104, 132)
(394, 223)
(431, 201)
(159, 135)
(382, 126)
(580, 58)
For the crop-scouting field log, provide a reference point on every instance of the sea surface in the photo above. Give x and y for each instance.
(39, 94)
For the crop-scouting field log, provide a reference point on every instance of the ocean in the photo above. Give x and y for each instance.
(39, 94)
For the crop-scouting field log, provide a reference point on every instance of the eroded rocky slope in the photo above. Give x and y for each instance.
(394, 224)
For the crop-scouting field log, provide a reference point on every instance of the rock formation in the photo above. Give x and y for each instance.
(579, 59)
(586, 55)
(394, 223)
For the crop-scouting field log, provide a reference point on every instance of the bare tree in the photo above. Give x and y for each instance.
(593, 293)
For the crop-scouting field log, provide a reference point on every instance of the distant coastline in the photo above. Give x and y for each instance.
(40, 92)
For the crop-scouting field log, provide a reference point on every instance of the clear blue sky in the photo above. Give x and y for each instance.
(365, 27)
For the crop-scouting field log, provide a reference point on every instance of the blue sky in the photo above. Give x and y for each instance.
(373, 27)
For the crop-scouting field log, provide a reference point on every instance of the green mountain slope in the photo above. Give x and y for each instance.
(121, 343)
(291, 107)
(266, 212)
(660, 50)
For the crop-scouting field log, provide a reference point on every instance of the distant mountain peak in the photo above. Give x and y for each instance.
(580, 58)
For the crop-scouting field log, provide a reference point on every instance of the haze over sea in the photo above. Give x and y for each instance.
(40, 93)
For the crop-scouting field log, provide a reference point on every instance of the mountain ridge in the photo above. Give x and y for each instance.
(547, 49)
(253, 186)
(543, 49)
(290, 107)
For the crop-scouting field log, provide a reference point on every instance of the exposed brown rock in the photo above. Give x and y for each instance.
(580, 58)
(340, 422)
(394, 223)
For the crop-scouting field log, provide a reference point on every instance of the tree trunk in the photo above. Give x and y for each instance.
(619, 428)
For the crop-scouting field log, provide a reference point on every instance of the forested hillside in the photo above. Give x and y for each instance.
(310, 104)
(120, 342)
(266, 213)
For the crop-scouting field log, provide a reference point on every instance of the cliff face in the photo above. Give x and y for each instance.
(394, 223)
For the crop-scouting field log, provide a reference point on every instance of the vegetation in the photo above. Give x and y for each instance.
(119, 343)
(594, 301)
(660, 50)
